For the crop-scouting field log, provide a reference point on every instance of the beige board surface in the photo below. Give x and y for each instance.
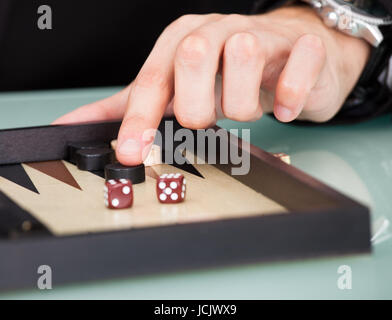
(66, 210)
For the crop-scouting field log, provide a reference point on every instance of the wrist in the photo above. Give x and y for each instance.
(349, 55)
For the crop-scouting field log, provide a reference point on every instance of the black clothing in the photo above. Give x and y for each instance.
(92, 43)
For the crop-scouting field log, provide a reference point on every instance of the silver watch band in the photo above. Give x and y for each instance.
(344, 18)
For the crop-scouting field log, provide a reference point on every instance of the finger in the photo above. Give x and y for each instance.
(152, 91)
(196, 65)
(243, 65)
(299, 77)
(111, 108)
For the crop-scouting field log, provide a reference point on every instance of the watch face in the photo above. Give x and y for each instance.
(367, 7)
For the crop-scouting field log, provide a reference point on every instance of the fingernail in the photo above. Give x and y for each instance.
(284, 114)
(130, 147)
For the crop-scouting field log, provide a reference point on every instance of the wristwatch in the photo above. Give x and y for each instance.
(358, 18)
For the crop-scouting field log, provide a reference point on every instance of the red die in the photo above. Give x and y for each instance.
(171, 188)
(118, 194)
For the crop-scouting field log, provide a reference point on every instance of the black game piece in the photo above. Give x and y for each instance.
(74, 147)
(94, 159)
(117, 171)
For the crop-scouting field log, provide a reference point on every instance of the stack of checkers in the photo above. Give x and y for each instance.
(98, 157)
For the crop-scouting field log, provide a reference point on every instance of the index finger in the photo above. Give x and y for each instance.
(152, 91)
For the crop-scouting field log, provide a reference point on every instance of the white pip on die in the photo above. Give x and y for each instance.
(118, 194)
(171, 188)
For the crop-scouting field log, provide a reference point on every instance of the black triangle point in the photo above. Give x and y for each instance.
(187, 167)
(17, 174)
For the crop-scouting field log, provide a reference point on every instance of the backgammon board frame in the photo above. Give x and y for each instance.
(321, 222)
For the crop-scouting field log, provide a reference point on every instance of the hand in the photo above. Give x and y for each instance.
(285, 61)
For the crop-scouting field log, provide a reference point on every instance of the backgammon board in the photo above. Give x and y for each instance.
(52, 213)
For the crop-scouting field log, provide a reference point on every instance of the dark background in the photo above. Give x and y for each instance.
(92, 43)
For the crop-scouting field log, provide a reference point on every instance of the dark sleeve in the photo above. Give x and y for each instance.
(388, 5)
(92, 43)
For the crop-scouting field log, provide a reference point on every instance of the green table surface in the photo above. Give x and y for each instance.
(355, 159)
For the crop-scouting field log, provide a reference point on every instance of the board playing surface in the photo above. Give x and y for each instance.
(274, 211)
(70, 201)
